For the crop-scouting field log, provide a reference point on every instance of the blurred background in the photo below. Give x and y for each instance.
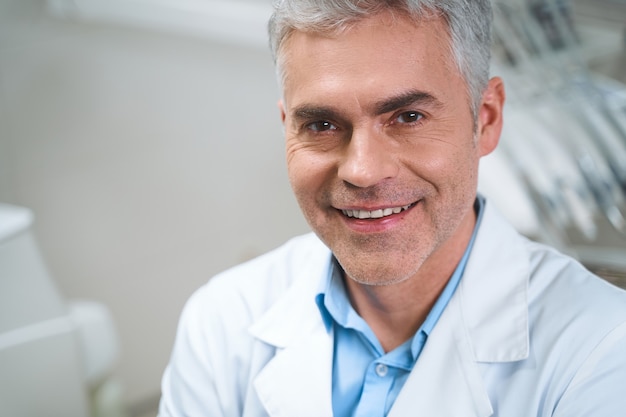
(150, 155)
(143, 141)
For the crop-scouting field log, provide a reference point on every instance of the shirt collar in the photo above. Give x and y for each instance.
(331, 297)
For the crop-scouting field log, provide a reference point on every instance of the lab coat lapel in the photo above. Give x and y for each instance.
(486, 321)
(445, 381)
(494, 293)
(297, 381)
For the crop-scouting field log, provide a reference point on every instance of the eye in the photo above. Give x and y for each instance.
(321, 126)
(409, 117)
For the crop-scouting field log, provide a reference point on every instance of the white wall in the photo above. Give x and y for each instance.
(151, 162)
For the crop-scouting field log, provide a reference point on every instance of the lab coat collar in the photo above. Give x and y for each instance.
(485, 321)
(494, 293)
(298, 379)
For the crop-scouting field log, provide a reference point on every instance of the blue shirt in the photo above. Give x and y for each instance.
(366, 380)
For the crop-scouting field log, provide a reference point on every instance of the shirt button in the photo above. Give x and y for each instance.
(381, 370)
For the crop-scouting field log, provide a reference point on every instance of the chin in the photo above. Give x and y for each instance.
(377, 275)
(378, 282)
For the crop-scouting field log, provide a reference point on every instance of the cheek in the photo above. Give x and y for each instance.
(450, 168)
(297, 161)
(301, 169)
(308, 163)
(434, 161)
(307, 173)
(463, 174)
(292, 150)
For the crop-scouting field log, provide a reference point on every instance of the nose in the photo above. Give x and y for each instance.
(368, 159)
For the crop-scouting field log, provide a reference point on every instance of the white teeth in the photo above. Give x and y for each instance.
(376, 214)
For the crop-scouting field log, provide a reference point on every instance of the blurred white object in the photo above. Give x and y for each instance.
(54, 356)
(502, 184)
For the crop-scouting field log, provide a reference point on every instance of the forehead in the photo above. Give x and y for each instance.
(382, 52)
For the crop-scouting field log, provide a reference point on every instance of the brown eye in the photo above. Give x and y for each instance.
(321, 126)
(409, 117)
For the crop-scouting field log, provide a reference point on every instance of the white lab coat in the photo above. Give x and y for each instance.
(528, 332)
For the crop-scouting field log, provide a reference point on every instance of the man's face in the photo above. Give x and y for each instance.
(380, 141)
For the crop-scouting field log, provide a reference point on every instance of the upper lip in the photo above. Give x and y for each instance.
(362, 213)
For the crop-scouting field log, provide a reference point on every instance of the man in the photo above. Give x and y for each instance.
(413, 297)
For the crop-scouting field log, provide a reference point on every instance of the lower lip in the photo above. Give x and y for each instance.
(382, 224)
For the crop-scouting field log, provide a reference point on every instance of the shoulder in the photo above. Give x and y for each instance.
(557, 286)
(567, 309)
(215, 355)
(576, 318)
(577, 334)
(244, 292)
(574, 325)
(560, 283)
(214, 349)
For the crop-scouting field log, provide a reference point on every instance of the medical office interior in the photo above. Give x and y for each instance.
(141, 152)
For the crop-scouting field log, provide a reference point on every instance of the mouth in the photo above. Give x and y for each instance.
(376, 214)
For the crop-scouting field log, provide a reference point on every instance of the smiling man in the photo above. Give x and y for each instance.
(413, 296)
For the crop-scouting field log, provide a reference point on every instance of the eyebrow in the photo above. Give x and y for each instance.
(307, 112)
(405, 100)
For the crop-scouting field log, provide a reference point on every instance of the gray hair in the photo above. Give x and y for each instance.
(469, 23)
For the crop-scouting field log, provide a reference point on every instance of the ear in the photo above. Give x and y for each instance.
(490, 116)
(281, 108)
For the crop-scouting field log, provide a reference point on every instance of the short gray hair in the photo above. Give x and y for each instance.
(469, 23)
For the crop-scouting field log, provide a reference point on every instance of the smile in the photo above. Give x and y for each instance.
(375, 214)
